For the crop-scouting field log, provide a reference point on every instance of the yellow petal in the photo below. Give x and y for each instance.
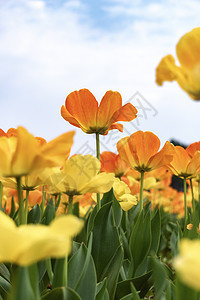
(101, 183)
(188, 49)
(27, 244)
(27, 149)
(187, 263)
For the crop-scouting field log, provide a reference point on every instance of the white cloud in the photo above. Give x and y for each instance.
(47, 52)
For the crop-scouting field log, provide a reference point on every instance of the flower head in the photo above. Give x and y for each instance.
(188, 74)
(140, 151)
(123, 195)
(81, 110)
(187, 263)
(28, 244)
(79, 176)
(23, 154)
(183, 165)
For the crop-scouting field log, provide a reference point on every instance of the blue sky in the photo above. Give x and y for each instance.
(50, 48)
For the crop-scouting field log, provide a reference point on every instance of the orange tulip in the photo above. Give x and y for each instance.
(81, 110)
(183, 165)
(112, 163)
(193, 148)
(9, 133)
(140, 151)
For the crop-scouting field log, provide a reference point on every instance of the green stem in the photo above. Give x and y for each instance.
(141, 190)
(185, 201)
(43, 200)
(26, 205)
(98, 156)
(193, 200)
(49, 269)
(70, 205)
(1, 194)
(22, 217)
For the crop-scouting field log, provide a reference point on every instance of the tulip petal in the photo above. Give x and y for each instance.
(180, 161)
(126, 153)
(59, 148)
(188, 49)
(116, 126)
(163, 157)
(110, 103)
(101, 183)
(27, 149)
(82, 106)
(68, 117)
(126, 113)
(28, 244)
(145, 144)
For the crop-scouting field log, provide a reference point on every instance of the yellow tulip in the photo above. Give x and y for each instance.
(23, 154)
(188, 74)
(28, 244)
(187, 263)
(78, 176)
(123, 195)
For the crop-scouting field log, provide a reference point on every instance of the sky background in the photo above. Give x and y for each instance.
(49, 48)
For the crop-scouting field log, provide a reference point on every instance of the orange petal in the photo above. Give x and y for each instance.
(110, 103)
(180, 161)
(2, 133)
(192, 148)
(126, 153)
(82, 106)
(145, 145)
(126, 113)
(116, 126)
(108, 160)
(163, 157)
(194, 165)
(68, 117)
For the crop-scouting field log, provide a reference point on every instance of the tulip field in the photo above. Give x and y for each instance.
(104, 227)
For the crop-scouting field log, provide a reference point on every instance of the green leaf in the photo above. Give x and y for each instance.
(107, 197)
(12, 211)
(41, 269)
(4, 287)
(140, 283)
(4, 272)
(133, 295)
(117, 211)
(105, 239)
(129, 297)
(140, 240)
(101, 289)
(90, 223)
(34, 215)
(81, 272)
(49, 213)
(159, 277)
(155, 232)
(111, 272)
(61, 293)
(60, 273)
(33, 275)
(21, 288)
